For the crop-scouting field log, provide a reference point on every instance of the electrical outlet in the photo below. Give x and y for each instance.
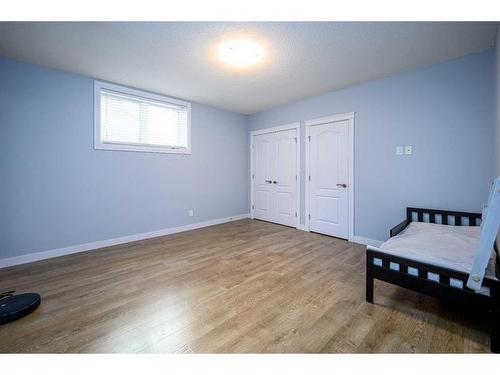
(408, 150)
(399, 150)
(191, 213)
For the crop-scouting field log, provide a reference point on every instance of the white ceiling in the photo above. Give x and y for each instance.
(302, 58)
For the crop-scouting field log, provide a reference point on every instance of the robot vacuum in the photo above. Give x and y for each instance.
(15, 306)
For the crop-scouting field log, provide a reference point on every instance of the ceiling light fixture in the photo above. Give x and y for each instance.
(240, 53)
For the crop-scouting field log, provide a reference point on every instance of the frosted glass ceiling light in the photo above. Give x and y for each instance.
(240, 53)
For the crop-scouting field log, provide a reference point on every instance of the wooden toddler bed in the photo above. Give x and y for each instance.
(445, 254)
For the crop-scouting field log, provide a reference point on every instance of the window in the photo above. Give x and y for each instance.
(133, 120)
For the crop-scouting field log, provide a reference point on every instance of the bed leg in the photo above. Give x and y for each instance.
(369, 279)
(495, 318)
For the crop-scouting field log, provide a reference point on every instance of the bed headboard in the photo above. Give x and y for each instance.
(489, 232)
(442, 217)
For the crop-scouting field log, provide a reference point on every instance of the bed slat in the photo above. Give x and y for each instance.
(422, 273)
(472, 221)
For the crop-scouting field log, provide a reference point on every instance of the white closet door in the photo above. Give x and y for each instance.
(329, 174)
(284, 182)
(275, 170)
(263, 187)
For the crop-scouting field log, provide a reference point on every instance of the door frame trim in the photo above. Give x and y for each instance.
(349, 117)
(276, 129)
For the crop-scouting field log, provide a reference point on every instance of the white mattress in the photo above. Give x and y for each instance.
(446, 246)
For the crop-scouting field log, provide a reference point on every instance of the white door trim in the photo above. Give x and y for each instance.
(349, 116)
(293, 125)
(275, 129)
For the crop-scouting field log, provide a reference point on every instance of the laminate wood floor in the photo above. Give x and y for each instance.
(244, 286)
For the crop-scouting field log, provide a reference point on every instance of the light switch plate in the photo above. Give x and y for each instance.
(399, 150)
(408, 150)
(191, 213)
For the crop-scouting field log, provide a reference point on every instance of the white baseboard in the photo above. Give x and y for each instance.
(357, 239)
(367, 241)
(302, 227)
(33, 257)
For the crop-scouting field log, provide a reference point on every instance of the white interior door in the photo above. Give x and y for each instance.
(329, 178)
(275, 177)
(285, 174)
(263, 187)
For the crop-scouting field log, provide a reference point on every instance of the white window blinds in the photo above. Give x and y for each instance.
(138, 123)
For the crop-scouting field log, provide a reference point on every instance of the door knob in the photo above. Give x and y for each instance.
(269, 181)
(275, 182)
(342, 185)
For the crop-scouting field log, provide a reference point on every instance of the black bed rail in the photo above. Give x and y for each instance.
(399, 228)
(471, 218)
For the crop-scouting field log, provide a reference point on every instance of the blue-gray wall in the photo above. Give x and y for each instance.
(57, 191)
(445, 111)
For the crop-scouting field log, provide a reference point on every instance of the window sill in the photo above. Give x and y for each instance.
(150, 149)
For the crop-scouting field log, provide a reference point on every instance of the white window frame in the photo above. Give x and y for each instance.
(98, 145)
